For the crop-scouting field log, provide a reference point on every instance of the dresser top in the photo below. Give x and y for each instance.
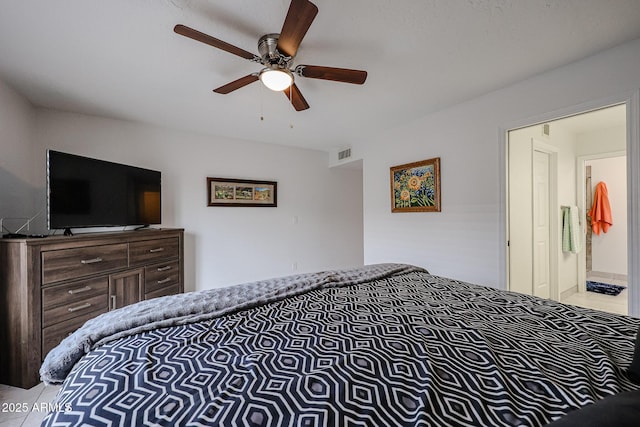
(129, 235)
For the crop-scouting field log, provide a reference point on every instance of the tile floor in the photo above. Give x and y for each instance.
(613, 304)
(21, 407)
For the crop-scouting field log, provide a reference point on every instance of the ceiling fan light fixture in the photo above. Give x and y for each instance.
(277, 79)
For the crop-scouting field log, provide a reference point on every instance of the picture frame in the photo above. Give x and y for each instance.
(241, 192)
(415, 187)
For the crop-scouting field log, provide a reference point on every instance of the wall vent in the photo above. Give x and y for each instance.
(546, 130)
(344, 154)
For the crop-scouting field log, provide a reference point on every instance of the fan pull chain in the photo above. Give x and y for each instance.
(261, 105)
(291, 100)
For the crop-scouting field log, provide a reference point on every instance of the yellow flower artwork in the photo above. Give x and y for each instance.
(415, 187)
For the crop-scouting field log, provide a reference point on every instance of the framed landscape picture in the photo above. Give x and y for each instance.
(241, 192)
(415, 187)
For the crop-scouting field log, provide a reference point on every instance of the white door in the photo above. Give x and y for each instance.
(541, 228)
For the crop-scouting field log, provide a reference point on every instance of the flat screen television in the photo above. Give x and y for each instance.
(86, 192)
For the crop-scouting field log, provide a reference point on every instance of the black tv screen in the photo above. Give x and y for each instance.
(85, 192)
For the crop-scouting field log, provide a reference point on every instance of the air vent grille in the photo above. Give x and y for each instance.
(344, 154)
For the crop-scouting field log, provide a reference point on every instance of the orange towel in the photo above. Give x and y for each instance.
(600, 212)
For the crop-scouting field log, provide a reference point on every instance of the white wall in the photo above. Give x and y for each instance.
(226, 245)
(609, 250)
(463, 241)
(16, 164)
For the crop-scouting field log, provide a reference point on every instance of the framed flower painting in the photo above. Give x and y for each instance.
(415, 187)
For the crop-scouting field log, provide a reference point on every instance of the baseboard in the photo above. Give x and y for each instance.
(607, 275)
(567, 293)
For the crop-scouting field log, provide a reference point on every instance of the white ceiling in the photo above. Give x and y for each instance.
(121, 58)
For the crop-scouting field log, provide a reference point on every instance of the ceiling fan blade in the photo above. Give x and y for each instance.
(296, 98)
(237, 84)
(299, 18)
(344, 75)
(212, 41)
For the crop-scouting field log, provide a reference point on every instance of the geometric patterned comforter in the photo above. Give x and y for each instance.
(412, 349)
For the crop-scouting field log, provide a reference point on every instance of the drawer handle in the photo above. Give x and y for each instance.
(80, 290)
(79, 307)
(165, 268)
(156, 250)
(91, 261)
(160, 282)
(114, 302)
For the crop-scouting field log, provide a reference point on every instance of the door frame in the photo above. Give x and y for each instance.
(582, 208)
(632, 101)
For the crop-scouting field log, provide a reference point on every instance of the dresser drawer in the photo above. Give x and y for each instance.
(149, 251)
(95, 303)
(73, 263)
(161, 275)
(167, 290)
(72, 293)
(52, 335)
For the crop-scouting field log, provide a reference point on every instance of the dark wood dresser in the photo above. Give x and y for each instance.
(50, 286)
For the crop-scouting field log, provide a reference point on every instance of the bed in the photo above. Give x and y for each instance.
(386, 344)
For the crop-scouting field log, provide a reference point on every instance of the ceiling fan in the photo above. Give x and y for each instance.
(277, 52)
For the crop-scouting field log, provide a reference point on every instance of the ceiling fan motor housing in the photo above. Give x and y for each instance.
(268, 49)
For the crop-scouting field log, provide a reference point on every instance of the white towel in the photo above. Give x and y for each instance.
(571, 236)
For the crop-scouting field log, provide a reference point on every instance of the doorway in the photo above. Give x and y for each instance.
(545, 173)
(604, 259)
